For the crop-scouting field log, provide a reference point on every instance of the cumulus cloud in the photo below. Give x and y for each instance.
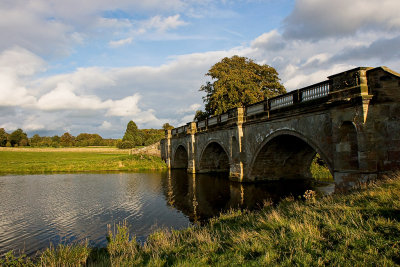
(121, 42)
(16, 66)
(125, 107)
(106, 125)
(63, 98)
(384, 49)
(315, 19)
(271, 41)
(161, 24)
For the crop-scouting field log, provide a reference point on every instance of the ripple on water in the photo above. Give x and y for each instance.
(36, 210)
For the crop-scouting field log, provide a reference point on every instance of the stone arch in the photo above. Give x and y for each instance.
(347, 147)
(285, 154)
(180, 159)
(214, 158)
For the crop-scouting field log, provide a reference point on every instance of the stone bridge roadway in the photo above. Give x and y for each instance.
(352, 120)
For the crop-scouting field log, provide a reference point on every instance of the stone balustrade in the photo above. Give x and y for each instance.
(278, 103)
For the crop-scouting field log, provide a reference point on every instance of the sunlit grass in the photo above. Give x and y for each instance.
(42, 162)
(319, 170)
(357, 229)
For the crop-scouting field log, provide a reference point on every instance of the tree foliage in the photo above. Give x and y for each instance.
(167, 126)
(200, 115)
(140, 137)
(239, 81)
(18, 138)
(86, 139)
(3, 137)
(133, 135)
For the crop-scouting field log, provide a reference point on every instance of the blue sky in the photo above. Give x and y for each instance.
(91, 66)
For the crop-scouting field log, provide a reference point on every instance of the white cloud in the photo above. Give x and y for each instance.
(9, 126)
(63, 98)
(33, 126)
(123, 108)
(192, 108)
(270, 41)
(161, 24)
(121, 42)
(17, 65)
(314, 19)
(106, 125)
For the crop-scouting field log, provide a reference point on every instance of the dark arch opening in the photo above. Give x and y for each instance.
(180, 158)
(214, 159)
(284, 157)
(347, 158)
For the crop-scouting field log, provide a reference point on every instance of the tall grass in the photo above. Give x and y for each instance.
(357, 229)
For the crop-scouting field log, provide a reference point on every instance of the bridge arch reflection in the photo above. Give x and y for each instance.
(202, 196)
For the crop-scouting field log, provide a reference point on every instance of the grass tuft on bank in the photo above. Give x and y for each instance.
(23, 162)
(361, 228)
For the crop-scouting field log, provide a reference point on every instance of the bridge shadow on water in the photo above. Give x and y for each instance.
(202, 196)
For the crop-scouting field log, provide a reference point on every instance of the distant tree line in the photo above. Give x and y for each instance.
(133, 137)
(20, 138)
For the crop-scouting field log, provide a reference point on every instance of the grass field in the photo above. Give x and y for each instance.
(39, 160)
(357, 229)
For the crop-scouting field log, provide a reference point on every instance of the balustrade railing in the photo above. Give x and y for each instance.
(283, 101)
(224, 117)
(201, 124)
(312, 92)
(255, 109)
(212, 121)
(315, 91)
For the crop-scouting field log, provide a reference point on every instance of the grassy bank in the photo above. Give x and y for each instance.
(78, 160)
(358, 229)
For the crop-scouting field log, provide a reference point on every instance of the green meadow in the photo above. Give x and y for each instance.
(81, 160)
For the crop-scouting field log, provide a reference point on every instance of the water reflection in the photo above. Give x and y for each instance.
(201, 196)
(38, 209)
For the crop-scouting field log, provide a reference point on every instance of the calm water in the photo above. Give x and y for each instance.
(36, 210)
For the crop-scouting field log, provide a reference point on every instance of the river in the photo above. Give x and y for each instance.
(36, 210)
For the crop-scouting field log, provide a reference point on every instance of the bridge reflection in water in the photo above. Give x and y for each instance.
(202, 196)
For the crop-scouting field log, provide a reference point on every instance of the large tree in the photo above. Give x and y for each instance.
(133, 135)
(239, 81)
(18, 138)
(67, 140)
(167, 126)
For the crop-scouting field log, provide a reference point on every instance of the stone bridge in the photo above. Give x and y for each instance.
(352, 120)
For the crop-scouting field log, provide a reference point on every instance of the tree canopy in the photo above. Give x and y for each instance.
(140, 137)
(238, 81)
(18, 138)
(167, 126)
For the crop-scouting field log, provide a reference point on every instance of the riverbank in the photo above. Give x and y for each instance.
(43, 160)
(361, 228)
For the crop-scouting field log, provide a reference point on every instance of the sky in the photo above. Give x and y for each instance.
(92, 66)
